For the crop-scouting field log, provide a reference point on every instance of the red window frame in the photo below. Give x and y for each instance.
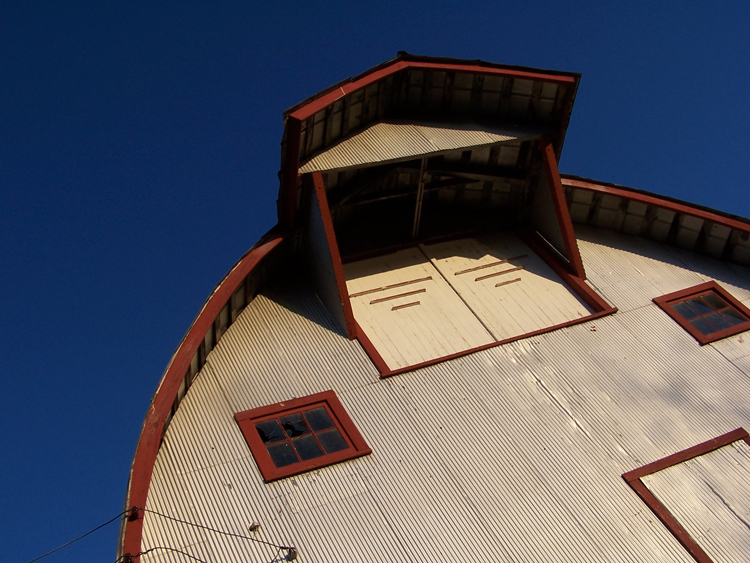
(633, 478)
(665, 302)
(327, 399)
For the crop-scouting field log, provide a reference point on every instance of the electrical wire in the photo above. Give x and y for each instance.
(279, 548)
(160, 547)
(107, 523)
(208, 528)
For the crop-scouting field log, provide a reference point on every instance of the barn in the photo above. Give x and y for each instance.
(446, 350)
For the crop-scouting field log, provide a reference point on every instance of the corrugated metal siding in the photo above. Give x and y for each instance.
(733, 277)
(393, 141)
(630, 271)
(514, 453)
(710, 496)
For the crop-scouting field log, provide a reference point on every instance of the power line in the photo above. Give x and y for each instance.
(108, 522)
(160, 547)
(275, 556)
(291, 551)
(222, 532)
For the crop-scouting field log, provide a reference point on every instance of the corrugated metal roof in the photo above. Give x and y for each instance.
(513, 453)
(391, 141)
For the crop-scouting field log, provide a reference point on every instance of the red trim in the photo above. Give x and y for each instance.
(633, 478)
(327, 399)
(591, 297)
(371, 351)
(665, 302)
(296, 117)
(561, 208)
(289, 176)
(161, 404)
(325, 100)
(687, 454)
(333, 248)
(677, 207)
(507, 72)
(670, 522)
(498, 343)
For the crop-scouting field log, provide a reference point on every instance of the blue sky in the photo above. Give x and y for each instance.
(139, 147)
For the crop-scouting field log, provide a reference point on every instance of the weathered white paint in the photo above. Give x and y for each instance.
(440, 325)
(455, 309)
(513, 454)
(710, 496)
(539, 300)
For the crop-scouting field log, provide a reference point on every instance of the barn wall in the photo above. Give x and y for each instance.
(513, 453)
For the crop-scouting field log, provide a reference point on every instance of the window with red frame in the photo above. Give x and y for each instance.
(707, 311)
(300, 435)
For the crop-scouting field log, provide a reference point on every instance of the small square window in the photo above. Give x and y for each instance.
(300, 435)
(707, 311)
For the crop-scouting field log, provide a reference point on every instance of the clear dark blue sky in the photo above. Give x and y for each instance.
(139, 146)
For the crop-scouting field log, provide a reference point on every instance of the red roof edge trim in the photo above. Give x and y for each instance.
(416, 61)
(675, 205)
(317, 104)
(561, 208)
(299, 113)
(306, 110)
(166, 392)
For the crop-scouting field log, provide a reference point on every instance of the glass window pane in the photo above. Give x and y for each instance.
(294, 425)
(714, 301)
(703, 325)
(332, 441)
(700, 306)
(307, 447)
(685, 310)
(282, 454)
(318, 419)
(734, 316)
(718, 321)
(270, 431)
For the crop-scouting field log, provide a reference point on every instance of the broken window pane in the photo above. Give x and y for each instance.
(270, 431)
(295, 425)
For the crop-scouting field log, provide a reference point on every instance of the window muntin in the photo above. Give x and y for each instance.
(707, 311)
(299, 435)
